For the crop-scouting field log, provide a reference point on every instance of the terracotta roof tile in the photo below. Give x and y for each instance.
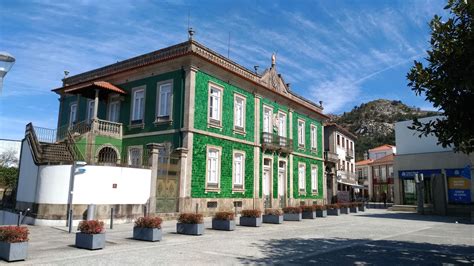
(364, 162)
(383, 147)
(384, 160)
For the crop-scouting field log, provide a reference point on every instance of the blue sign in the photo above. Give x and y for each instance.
(459, 185)
(410, 174)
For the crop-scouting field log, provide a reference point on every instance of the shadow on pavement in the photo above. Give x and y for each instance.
(341, 251)
(418, 217)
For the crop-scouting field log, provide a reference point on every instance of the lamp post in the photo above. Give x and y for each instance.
(419, 189)
(6, 63)
(76, 168)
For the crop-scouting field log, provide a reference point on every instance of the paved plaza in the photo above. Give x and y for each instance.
(376, 237)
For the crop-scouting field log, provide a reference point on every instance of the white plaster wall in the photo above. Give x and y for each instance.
(408, 142)
(95, 186)
(28, 175)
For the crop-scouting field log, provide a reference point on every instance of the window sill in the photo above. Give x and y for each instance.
(302, 193)
(240, 131)
(238, 190)
(136, 125)
(212, 189)
(315, 193)
(159, 122)
(314, 150)
(214, 125)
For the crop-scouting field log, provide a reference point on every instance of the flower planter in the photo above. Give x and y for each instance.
(309, 215)
(292, 217)
(272, 219)
(362, 208)
(147, 234)
(321, 213)
(13, 251)
(344, 210)
(354, 209)
(90, 241)
(190, 229)
(251, 221)
(335, 212)
(226, 225)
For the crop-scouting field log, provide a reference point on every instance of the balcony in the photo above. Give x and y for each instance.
(275, 142)
(330, 157)
(349, 154)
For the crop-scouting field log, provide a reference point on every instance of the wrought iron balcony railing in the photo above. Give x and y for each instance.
(331, 157)
(271, 141)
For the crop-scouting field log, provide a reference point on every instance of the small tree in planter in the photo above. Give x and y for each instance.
(321, 211)
(292, 214)
(273, 216)
(190, 224)
(251, 218)
(148, 229)
(91, 235)
(223, 221)
(309, 212)
(361, 206)
(353, 207)
(344, 208)
(13, 243)
(333, 209)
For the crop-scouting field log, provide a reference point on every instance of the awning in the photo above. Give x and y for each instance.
(88, 90)
(350, 184)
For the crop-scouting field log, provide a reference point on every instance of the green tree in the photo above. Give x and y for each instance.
(447, 78)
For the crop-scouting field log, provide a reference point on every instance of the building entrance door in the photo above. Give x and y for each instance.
(167, 185)
(266, 183)
(282, 184)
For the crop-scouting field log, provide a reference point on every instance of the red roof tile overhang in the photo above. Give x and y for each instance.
(88, 90)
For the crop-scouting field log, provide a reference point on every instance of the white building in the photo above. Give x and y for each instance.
(447, 174)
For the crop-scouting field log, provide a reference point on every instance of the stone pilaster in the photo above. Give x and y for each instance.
(154, 150)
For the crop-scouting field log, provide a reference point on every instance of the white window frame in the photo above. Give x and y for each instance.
(314, 137)
(132, 110)
(302, 180)
(113, 101)
(285, 128)
(90, 110)
(215, 121)
(239, 128)
(302, 134)
(72, 118)
(129, 155)
(213, 186)
(164, 116)
(314, 178)
(270, 118)
(235, 186)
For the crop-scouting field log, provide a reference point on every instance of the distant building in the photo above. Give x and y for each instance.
(376, 173)
(339, 157)
(11, 147)
(446, 174)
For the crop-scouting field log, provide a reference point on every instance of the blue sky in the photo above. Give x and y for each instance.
(341, 52)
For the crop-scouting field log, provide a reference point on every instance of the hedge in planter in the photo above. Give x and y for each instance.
(251, 218)
(309, 212)
(353, 207)
(148, 229)
(91, 235)
(292, 214)
(273, 216)
(333, 209)
(223, 221)
(344, 208)
(13, 243)
(321, 211)
(190, 224)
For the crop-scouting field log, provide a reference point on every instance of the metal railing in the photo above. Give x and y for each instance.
(331, 157)
(273, 141)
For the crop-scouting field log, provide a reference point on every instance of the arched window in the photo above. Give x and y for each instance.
(107, 155)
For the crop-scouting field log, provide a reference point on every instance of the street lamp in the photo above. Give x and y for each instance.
(419, 189)
(6, 63)
(76, 168)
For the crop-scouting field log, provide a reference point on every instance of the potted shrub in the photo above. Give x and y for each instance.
(344, 208)
(273, 216)
(91, 235)
(361, 206)
(13, 243)
(190, 224)
(321, 211)
(251, 218)
(223, 221)
(353, 207)
(292, 214)
(148, 229)
(309, 212)
(333, 209)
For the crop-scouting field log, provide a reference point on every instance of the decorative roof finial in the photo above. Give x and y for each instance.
(191, 33)
(273, 59)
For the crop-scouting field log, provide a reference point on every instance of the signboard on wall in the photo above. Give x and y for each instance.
(459, 185)
(410, 174)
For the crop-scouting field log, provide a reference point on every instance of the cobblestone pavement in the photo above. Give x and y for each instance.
(376, 237)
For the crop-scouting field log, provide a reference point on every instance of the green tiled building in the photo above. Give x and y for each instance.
(227, 137)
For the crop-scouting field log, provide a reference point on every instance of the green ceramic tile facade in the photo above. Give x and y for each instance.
(307, 147)
(308, 162)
